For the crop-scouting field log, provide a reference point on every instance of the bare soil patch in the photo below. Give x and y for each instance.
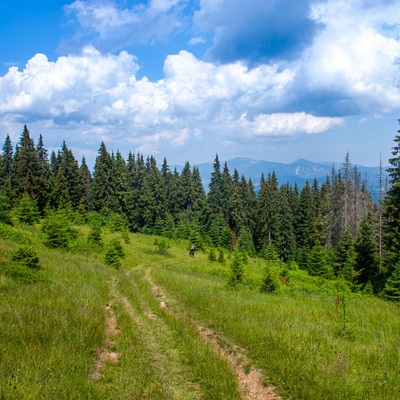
(104, 354)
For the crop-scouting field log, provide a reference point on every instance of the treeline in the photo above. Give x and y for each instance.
(331, 230)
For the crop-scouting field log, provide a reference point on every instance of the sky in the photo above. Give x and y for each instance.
(273, 80)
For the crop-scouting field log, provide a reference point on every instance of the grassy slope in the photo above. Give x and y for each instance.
(52, 330)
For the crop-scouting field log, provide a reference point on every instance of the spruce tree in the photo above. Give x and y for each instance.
(137, 183)
(123, 194)
(317, 262)
(268, 218)
(104, 182)
(27, 175)
(45, 172)
(186, 197)
(366, 246)
(226, 194)
(391, 208)
(199, 197)
(306, 229)
(238, 218)
(174, 195)
(6, 166)
(214, 196)
(392, 287)
(286, 240)
(345, 260)
(86, 183)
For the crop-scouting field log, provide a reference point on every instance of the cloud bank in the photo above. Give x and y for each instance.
(274, 69)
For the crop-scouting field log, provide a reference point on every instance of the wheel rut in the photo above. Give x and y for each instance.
(250, 379)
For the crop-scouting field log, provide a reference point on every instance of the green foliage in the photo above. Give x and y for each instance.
(5, 210)
(11, 233)
(318, 264)
(23, 266)
(226, 238)
(116, 223)
(237, 271)
(367, 259)
(96, 219)
(269, 252)
(346, 258)
(26, 256)
(271, 283)
(59, 230)
(95, 236)
(162, 246)
(211, 255)
(196, 238)
(114, 254)
(392, 287)
(391, 210)
(245, 242)
(221, 257)
(27, 211)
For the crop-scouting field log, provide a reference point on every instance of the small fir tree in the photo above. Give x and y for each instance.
(211, 255)
(237, 271)
(392, 287)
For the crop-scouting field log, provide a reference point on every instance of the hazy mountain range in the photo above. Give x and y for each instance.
(297, 172)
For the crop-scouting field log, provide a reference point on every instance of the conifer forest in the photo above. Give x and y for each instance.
(333, 229)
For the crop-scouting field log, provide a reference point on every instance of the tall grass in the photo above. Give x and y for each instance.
(296, 338)
(52, 328)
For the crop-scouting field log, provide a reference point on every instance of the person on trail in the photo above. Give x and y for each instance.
(192, 250)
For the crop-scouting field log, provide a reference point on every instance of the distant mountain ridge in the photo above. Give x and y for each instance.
(298, 172)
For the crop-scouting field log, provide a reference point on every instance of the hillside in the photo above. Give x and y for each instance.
(163, 325)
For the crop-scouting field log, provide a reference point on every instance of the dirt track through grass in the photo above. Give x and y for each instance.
(249, 379)
(188, 361)
(160, 344)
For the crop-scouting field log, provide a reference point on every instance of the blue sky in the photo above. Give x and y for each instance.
(272, 80)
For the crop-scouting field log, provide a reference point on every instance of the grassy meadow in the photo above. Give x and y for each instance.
(80, 329)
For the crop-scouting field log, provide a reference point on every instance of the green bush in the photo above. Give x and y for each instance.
(59, 231)
(26, 256)
(23, 266)
(95, 219)
(237, 271)
(114, 254)
(271, 283)
(94, 236)
(117, 223)
(27, 211)
(5, 210)
(162, 246)
(211, 255)
(221, 258)
(10, 233)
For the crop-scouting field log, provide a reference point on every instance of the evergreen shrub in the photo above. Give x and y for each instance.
(114, 254)
(59, 231)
